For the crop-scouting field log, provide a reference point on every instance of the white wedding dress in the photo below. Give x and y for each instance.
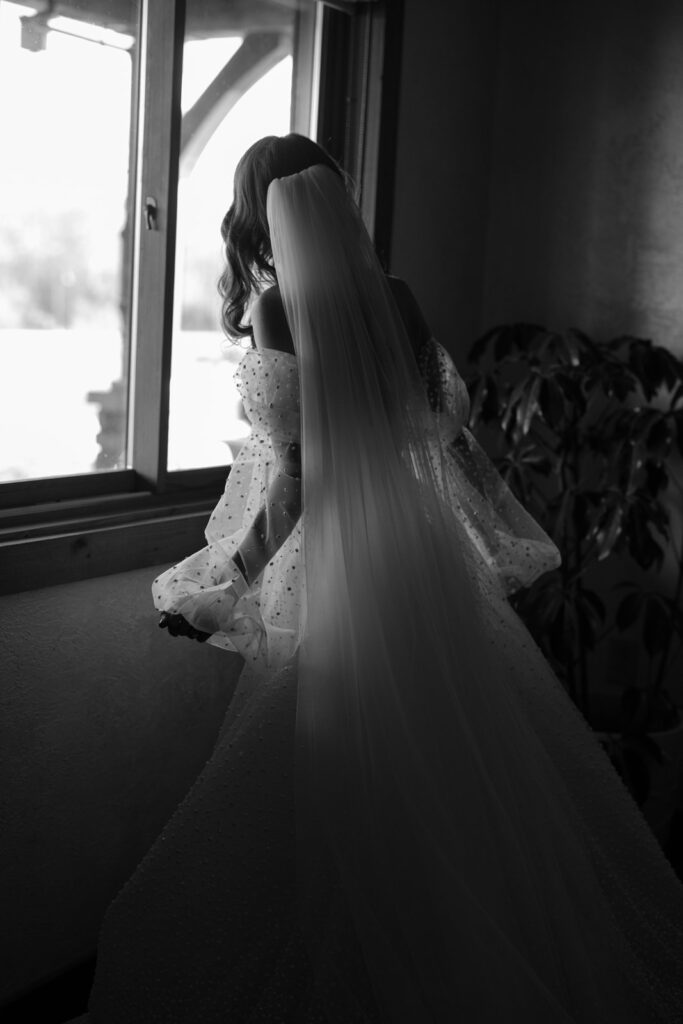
(473, 856)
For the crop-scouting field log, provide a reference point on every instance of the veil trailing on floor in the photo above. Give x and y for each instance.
(479, 886)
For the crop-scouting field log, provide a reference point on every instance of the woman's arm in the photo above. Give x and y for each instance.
(276, 519)
(445, 387)
(416, 326)
(279, 515)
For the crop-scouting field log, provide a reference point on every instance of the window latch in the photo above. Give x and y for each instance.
(151, 213)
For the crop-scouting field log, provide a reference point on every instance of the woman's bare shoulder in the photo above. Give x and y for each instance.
(269, 322)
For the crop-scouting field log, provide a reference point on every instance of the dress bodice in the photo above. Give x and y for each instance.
(268, 383)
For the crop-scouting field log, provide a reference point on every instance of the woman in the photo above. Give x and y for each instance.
(404, 819)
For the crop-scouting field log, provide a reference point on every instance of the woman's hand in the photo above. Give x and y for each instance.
(179, 626)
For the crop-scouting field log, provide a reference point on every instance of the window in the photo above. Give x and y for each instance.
(122, 125)
(236, 88)
(64, 220)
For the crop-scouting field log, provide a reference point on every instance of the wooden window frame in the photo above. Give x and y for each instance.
(62, 529)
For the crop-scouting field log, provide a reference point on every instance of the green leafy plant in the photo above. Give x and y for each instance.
(588, 436)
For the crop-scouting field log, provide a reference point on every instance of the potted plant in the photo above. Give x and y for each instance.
(589, 437)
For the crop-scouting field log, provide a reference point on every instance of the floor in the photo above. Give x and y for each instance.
(56, 1001)
(66, 998)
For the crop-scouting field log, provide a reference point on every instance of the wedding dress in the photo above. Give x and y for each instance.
(405, 818)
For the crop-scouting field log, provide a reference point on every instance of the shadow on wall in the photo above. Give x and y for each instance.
(443, 162)
(106, 722)
(586, 201)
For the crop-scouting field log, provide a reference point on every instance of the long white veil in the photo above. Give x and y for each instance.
(478, 886)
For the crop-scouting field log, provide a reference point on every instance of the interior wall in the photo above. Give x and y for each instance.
(539, 172)
(585, 212)
(105, 721)
(585, 219)
(443, 160)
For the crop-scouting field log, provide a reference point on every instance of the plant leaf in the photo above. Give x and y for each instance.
(528, 408)
(657, 625)
(659, 435)
(512, 402)
(629, 609)
(608, 536)
(480, 346)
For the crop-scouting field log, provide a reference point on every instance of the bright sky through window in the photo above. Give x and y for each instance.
(64, 133)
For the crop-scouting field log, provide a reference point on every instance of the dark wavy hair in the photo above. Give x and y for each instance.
(249, 260)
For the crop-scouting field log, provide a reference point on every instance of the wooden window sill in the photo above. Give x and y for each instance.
(62, 542)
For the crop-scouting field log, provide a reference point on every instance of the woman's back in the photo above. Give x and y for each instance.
(271, 329)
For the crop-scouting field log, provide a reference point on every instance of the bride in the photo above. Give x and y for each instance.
(405, 818)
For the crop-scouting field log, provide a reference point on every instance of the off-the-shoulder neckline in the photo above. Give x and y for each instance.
(270, 352)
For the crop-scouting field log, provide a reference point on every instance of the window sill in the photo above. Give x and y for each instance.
(63, 542)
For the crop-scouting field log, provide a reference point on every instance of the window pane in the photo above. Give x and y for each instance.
(237, 83)
(65, 127)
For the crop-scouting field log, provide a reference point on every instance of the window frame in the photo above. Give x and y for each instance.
(64, 528)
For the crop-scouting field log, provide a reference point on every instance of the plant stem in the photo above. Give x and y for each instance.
(565, 570)
(574, 576)
(656, 687)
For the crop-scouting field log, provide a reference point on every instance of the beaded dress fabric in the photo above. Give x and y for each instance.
(264, 625)
(405, 819)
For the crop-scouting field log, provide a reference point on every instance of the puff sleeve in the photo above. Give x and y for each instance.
(507, 538)
(216, 589)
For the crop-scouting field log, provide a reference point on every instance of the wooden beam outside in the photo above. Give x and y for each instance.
(259, 52)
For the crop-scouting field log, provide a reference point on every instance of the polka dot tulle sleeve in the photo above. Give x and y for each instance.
(446, 390)
(505, 536)
(261, 500)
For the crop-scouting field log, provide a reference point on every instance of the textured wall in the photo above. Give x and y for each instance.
(540, 166)
(105, 721)
(585, 213)
(586, 202)
(442, 163)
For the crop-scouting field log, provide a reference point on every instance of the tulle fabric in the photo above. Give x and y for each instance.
(464, 848)
(513, 545)
(493, 864)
